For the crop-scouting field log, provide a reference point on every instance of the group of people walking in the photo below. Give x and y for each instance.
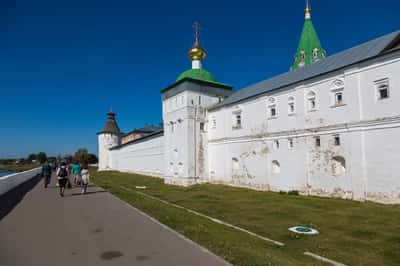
(80, 174)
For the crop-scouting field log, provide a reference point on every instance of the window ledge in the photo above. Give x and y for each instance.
(312, 110)
(338, 105)
(382, 99)
(272, 118)
(292, 114)
(238, 127)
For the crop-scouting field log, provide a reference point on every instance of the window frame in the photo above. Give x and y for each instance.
(272, 105)
(336, 140)
(378, 86)
(235, 115)
(291, 104)
(311, 97)
(290, 143)
(317, 141)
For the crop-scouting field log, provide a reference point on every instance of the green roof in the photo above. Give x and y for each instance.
(199, 74)
(310, 45)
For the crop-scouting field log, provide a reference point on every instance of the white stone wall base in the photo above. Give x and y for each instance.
(185, 182)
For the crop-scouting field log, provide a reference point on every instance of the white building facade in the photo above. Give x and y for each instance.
(327, 128)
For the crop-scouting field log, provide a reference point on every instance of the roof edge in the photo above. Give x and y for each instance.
(217, 84)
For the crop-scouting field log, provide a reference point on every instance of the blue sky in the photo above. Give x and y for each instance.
(64, 63)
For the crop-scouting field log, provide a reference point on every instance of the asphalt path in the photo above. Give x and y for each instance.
(40, 228)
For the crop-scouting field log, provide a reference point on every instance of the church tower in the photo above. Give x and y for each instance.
(108, 138)
(310, 49)
(185, 119)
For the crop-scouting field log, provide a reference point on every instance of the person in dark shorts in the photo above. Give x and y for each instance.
(62, 176)
(46, 173)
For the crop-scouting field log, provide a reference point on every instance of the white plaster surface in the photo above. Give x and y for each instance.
(248, 156)
(9, 182)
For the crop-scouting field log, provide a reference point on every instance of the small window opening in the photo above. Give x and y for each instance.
(318, 141)
(315, 53)
(272, 111)
(238, 120)
(337, 140)
(202, 126)
(277, 144)
(338, 98)
(303, 56)
(383, 92)
(382, 87)
(291, 105)
(276, 167)
(290, 143)
(338, 165)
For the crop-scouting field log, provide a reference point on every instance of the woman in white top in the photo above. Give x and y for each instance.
(84, 178)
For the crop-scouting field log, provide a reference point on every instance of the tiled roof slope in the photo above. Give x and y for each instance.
(345, 58)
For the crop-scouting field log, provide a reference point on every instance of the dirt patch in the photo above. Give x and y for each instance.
(109, 255)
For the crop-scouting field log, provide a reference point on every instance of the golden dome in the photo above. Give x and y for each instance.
(197, 52)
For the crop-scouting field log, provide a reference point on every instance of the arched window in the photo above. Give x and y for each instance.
(291, 107)
(276, 167)
(338, 165)
(235, 164)
(272, 107)
(312, 101)
(303, 56)
(315, 54)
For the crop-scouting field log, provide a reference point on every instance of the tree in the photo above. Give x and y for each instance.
(81, 155)
(92, 158)
(32, 157)
(68, 158)
(42, 157)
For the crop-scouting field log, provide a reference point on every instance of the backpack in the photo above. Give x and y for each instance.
(62, 172)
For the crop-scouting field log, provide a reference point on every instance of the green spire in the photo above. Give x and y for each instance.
(309, 49)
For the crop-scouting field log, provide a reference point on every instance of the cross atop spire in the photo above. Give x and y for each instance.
(307, 10)
(197, 29)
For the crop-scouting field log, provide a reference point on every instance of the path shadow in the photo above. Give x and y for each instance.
(10, 199)
(87, 193)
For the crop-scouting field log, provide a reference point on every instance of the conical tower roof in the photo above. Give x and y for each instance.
(111, 125)
(310, 49)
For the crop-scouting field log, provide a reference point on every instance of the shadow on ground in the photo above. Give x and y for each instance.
(10, 199)
(87, 193)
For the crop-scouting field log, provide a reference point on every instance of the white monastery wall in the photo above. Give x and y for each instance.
(259, 153)
(145, 157)
(106, 142)
(185, 147)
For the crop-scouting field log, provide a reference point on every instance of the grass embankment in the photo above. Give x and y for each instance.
(351, 232)
(18, 168)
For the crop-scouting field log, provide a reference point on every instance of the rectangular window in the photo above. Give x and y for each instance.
(338, 98)
(291, 108)
(382, 89)
(290, 144)
(272, 111)
(202, 126)
(238, 120)
(276, 144)
(337, 140)
(317, 141)
(213, 123)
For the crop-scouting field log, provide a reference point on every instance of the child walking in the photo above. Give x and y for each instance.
(84, 178)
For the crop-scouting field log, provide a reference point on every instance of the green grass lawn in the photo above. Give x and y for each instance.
(18, 168)
(353, 233)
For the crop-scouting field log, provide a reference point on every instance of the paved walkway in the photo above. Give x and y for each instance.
(94, 229)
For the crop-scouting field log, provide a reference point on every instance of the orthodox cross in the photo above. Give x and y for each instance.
(197, 29)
